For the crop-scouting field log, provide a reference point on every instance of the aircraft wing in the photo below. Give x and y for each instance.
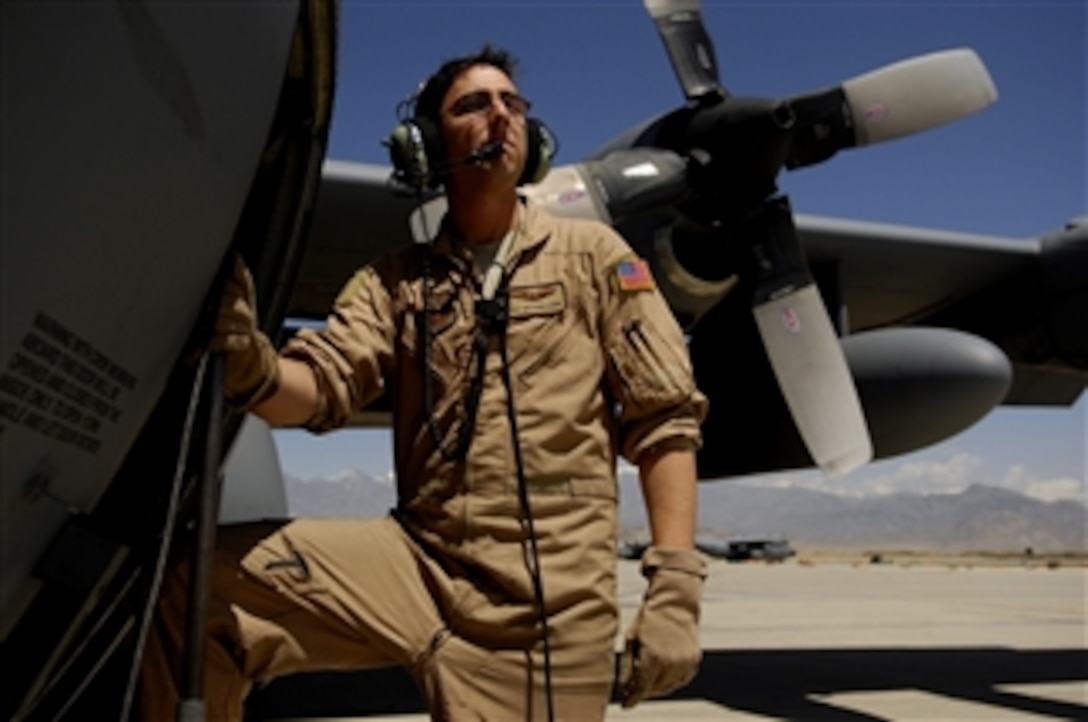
(891, 275)
(358, 218)
(894, 273)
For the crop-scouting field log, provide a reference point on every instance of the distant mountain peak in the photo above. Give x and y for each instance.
(978, 518)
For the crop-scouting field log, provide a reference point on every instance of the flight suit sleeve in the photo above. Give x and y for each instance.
(352, 355)
(649, 371)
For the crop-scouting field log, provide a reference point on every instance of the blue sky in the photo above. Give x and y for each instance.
(593, 69)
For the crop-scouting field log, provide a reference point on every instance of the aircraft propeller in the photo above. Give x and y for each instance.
(734, 148)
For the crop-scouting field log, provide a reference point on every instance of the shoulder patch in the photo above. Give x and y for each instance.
(633, 274)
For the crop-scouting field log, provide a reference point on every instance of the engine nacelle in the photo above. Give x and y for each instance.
(918, 386)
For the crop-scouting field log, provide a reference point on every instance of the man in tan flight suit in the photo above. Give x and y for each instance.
(590, 364)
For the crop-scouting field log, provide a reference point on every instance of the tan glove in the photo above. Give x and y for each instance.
(662, 653)
(251, 372)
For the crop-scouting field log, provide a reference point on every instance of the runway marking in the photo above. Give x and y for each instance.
(1068, 692)
(903, 705)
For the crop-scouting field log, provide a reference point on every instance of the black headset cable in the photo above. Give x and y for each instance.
(492, 315)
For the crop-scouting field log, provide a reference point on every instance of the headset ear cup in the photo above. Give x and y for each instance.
(408, 155)
(434, 149)
(541, 149)
(415, 150)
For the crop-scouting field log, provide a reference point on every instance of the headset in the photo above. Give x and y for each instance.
(419, 157)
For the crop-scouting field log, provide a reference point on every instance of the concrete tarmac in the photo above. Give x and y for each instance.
(840, 641)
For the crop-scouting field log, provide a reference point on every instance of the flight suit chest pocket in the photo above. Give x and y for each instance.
(440, 322)
(540, 325)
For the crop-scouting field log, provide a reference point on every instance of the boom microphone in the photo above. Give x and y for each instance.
(487, 151)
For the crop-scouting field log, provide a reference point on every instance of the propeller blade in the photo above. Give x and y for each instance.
(804, 352)
(691, 52)
(890, 102)
(918, 94)
(815, 380)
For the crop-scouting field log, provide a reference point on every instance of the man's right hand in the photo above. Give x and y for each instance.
(662, 653)
(251, 371)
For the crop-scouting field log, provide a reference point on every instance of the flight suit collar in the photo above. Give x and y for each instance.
(445, 246)
(535, 227)
(532, 228)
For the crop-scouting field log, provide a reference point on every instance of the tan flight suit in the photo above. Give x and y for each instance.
(598, 367)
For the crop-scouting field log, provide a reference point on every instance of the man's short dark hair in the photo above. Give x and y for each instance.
(429, 102)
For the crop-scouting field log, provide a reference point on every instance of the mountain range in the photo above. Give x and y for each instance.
(979, 518)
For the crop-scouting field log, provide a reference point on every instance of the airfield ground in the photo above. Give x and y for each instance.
(968, 559)
(830, 635)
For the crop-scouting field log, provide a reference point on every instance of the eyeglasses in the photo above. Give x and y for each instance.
(480, 101)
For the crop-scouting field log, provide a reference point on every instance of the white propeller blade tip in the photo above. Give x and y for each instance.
(851, 461)
(918, 94)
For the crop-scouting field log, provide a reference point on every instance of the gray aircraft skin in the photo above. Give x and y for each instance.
(141, 143)
(145, 144)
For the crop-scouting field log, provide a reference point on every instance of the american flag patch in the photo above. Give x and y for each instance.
(634, 275)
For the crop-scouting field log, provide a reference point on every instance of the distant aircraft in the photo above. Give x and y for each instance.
(627, 549)
(732, 550)
(742, 550)
(144, 143)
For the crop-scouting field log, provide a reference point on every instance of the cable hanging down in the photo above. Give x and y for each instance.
(492, 315)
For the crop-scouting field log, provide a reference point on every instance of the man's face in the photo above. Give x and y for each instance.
(482, 106)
